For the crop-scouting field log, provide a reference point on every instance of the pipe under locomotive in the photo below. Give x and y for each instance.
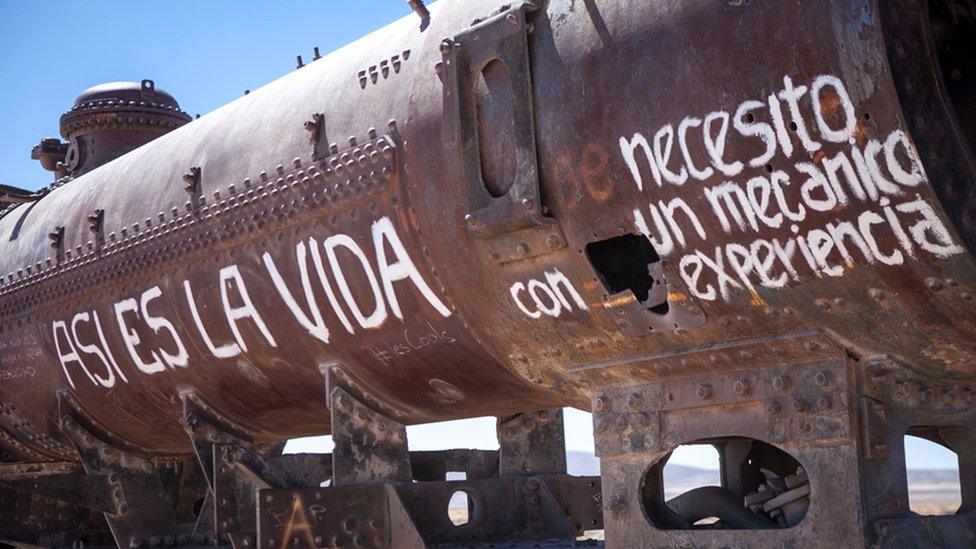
(504, 208)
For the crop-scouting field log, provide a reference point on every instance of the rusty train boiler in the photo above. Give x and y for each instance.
(744, 224)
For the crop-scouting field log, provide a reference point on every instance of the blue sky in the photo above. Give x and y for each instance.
(205, 53)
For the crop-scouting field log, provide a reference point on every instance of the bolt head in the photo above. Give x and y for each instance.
(741, 387)
(781, 383)
(824, 378)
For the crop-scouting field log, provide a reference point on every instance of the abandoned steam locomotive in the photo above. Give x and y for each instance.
(748, 224)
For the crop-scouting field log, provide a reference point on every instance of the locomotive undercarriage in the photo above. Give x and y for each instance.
(811, 446)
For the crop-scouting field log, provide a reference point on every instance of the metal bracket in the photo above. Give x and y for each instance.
(191, 182)
(508, 511)
(236, 467)
(30, 520)
(511, 205)
(142, 504)
(62, 481)
(56, 237)
(369, 447)
(532, 443)
(371, 516)
(14, 195)
(315, 126)
(96, 225)
(434, 466)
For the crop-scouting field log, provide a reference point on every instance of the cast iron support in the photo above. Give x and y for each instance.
(143, 507)
(236, 468)
(370, 447)
(532, 443)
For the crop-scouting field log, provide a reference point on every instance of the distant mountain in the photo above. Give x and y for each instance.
(587, 464)
(933, 476)
(924, 485)
(931, 491)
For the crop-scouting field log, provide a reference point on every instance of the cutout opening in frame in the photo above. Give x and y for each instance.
(630, 263)
(932, 471)
(758, 487)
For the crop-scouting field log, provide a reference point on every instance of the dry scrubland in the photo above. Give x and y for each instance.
(930, 492)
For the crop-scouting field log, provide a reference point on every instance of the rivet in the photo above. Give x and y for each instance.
(781, 383)
(741, 387)
(933, 284)
(705, 391)
(601, 404)
(823, 378)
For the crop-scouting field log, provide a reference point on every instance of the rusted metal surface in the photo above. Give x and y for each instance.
(532, 443)
(744, 223)
(526, 510)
